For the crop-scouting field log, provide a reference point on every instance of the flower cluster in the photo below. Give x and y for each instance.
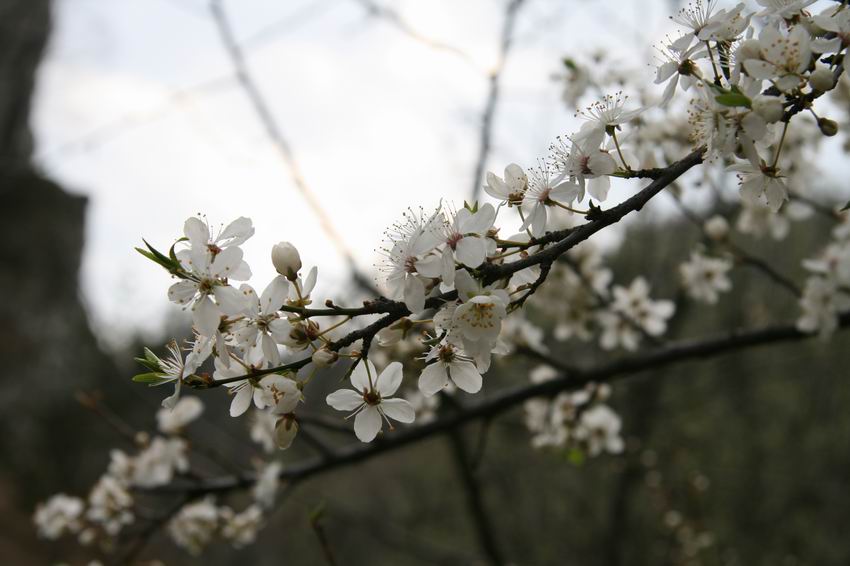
(457, 281)
(579, 421)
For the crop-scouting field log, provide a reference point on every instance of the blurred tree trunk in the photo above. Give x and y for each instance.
(46, 346)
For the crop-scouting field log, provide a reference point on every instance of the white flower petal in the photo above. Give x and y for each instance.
(205, 316)
(364, 376)
(182, 292)
(433, 379)
(390, 379)
(367, 424)
(231, 301)
(241, 401)
(226, 262)
(465, 376)
(344, 400)
(398, 409)
(274, 295)
(471, 251)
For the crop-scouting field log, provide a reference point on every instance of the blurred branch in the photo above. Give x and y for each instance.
(474, 501)
(488, 115)
(743, 256)
(498, 403)
(138, 544)
(393, 18)
(92, 402)
(319, 530)
(114, 129)
(275, 134)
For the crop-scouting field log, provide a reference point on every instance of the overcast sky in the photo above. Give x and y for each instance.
(137, 109)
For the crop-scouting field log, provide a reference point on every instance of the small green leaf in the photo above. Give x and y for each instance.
(171, 253)
(152, 378)
(147, 364)
(733, 99)
(845, 208)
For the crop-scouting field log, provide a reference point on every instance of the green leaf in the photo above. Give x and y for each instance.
(171, 253)
(846, 207)
(152, 378)
(733, 99)
(147, 364)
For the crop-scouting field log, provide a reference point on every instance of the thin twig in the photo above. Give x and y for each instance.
(501, 402)
(494, 88)
(393, 18)
(562, 241)
(275, 135)
(474, 500)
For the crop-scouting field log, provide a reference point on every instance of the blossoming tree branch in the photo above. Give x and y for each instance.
(743, 99)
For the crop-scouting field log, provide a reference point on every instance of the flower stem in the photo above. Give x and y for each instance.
(619, 151)
(779, 148)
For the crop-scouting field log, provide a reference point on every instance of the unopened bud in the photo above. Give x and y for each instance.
(716, 228)
(768, 107)
(324, 357)
(827, 127)
(286, 260)
(822, 79)
(285, 431)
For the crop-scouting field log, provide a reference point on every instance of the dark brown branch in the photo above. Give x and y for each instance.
(501, 402)
(562, 241)
(598, 221)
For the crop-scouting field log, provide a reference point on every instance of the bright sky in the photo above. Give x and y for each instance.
(137, 110)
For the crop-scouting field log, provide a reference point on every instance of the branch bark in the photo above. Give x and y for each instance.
(571, 379)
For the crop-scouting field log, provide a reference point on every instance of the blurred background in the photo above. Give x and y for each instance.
(322, 120)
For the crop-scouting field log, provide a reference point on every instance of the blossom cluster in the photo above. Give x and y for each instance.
(456, 281)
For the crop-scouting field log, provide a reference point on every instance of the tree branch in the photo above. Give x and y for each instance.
(571, 379)
(474, 501)
(275, 135)
(495, 79)
(564, 240)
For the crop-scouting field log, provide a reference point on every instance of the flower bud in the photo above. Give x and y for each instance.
(324, 357)
(822, 79)
(716, 228)
(286, 260)
(827, 127)
(768, 107)
(285, 431)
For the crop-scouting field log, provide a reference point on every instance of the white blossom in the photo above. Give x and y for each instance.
(266, 486)
(255, 332)
(110, 505)
(195, 525)
(158, 462)
(59, 515)
(241, 528)
(599, 427)
(371, 399)
(447, 363)
(186, 410)
(511, 189)
(705, 277)
(407, 245)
